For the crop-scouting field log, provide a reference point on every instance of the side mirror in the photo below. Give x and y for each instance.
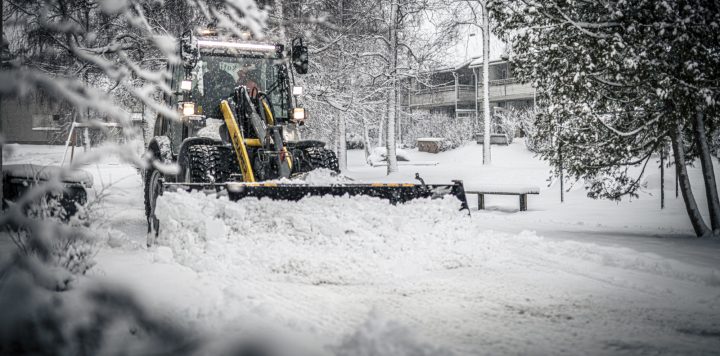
(300, 59)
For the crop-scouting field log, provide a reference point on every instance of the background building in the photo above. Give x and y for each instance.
(40, 119)
(458, 91)
(34, 119)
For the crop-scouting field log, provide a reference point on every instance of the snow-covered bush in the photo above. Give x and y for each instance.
(422, 123)
(71, 248)
(714, 143)
(521, 122)
(98, 56)
(354, 141)
(40, 317)
(506, 122)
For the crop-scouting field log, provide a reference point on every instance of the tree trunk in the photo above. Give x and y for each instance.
(562, 171)
(366, 137)
(342, 118)
(342, 143)
(280, 13)
(392, 165)
(2, 139)
(662, 175)
(2, 176)
(696, 219)
(677, 191)
(486, 82)
(381, 122)
(399, 117)
(708, 173)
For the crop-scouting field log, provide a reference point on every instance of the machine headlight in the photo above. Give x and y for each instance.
(298, 115)
(188, 109)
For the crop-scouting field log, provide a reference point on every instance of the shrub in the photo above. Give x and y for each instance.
(420, 124)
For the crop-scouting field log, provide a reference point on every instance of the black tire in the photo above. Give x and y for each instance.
(153, 189)
(209, 164)
(202, 164)
(320, 157)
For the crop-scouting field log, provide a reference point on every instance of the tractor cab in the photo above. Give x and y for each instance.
(219, 70)
(213, 67)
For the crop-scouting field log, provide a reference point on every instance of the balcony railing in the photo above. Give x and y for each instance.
(504, 81)
(442, 96)
(443, 88)
(507, 89)
(502, 89)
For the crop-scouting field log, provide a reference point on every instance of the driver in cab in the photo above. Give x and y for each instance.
(246, 76)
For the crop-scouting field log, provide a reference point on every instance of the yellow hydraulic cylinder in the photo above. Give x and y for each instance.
(270, 119)
(238, 142)
(268, 112)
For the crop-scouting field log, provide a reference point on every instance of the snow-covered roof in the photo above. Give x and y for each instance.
(464, 63)
(473, 62)
(478, 61)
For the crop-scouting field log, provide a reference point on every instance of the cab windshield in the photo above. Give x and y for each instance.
(215, 77)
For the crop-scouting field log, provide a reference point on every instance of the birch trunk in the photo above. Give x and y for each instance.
(398, 117)
(342, 124)
(696, 219)
(486, 83)
(708, 173)
(381, 122)
(366, 137)
(392, 165)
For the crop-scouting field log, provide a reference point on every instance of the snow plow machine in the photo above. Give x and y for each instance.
(238, 131)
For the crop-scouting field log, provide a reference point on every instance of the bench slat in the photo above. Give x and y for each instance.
(481, 197)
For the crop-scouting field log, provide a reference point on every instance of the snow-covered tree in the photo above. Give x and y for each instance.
(614, 81)
(349, 86)
(86, 52)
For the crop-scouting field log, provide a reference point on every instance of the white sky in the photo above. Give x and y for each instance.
(471, 46)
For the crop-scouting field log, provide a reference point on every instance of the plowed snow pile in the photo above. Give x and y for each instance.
(322, 240)
(323, 264)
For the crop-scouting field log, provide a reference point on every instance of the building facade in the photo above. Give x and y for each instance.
(37, 118)
(458, 91)
(34, 119)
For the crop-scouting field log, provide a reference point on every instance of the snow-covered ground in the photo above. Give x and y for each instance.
(361, 277)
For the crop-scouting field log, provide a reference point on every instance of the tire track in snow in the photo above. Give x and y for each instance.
(322, 264)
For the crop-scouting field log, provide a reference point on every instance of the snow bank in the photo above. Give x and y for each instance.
(319, 240)
(363, 240)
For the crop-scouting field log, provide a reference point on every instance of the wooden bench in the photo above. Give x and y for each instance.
(521, 192)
